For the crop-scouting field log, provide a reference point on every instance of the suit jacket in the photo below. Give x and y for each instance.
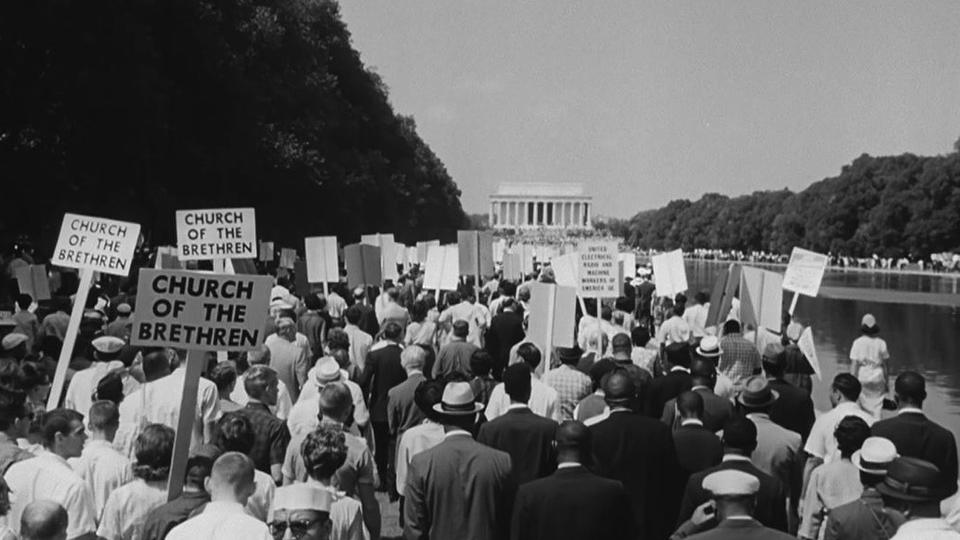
(778, 450)
(506, 330)
(794, 408)
(572, 504)
(863, 519)
(741, 529)
(527, 437)
(698, 448)
(663, 389)
(917, 436)
(639, 452)
(368, 320)
(459, 489)
(402, 412)
(381, 373)
(771, 499)
(716, 410)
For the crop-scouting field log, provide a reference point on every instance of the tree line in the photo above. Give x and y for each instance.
(135, 108)
(891, 206)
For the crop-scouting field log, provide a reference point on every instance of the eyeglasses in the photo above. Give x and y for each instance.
(298, 527)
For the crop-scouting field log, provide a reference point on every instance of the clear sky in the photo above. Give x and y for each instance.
(645, 102)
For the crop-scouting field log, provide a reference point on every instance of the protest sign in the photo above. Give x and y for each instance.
(599, 271)
(809, 350)
(804, 272)
(552, 318)
(475, 251)
(167, 258)
(566, 270)
(669, 274)
(197, 312)
(90, 244)
(721, 299)
(442, 271)
(388, 253)
(216, 234)
(423, 248)
(242, 266)
(266, 251)
(511, 267)
(413, 256)
(363, 265)
(300, 278)
(628, 266)
(761, 298)
(33, 280)
(288, 257)
(499, 247)
(323, 264)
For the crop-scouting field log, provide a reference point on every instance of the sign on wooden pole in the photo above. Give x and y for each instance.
(721, 299)
(761, 298)
(288, 258)
(599, 272)
(221, 233)
(363, 265)
(669, 273)
(322, 258)
(511, 267)
(197, 312)
(475, 251)
(552, 318)
(442, 272)
(423, 248)
(804, 274)
(33, 280)
(266, 251)
(809, 350)
(388, 253)
(91, 244)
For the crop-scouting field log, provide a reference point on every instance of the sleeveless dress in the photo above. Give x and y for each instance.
(871, 354)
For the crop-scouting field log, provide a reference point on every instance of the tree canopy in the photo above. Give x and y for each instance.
(132, 109)
(893, 206)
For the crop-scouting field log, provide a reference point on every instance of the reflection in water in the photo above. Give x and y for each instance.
(922, 338)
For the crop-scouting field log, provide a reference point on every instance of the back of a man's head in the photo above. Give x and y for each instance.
(428, 394)
(335, 401)
(690, 404)
(104, 415)
(461, 328)
(740, 434)
(703, 372)
(621, 343)
(235, 433)
(516, 382)
(529, 353)
(155, 364)
(848, 386)
(910, 388)
(43, 520)
(573, 436)
(231, 478)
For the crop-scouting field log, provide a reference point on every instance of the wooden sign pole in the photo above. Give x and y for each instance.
(599, 332)
(793, 303)
(551, 308)
(70, 339)
(188, 413)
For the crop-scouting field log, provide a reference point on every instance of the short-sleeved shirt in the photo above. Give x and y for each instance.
(221, 521)
(740, 358)
(127, 508)
(271, 436)
(103, 469)
(821, 443)
(359, 467)
(571, 386)
(48, 476)
(167, 516)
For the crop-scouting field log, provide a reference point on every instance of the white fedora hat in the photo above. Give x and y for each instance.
(458, 400)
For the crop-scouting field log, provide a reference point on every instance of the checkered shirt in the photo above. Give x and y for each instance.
(571, 386)
(740, 358)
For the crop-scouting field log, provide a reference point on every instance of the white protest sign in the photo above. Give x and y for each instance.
(669, 273)
(322, 259)
(424, 247)
(266, 251)
(388, 253)
(442, 272)
(566, 270)
(805, 272)
(222, 233)
(761, 298)
(511, 267)
(809, 350)
(98, 244)
(499, 247)
(412, 255)
(599, 271)
(628, 266)
(526, 252)
(200, 311)
(288, 258)
(552, 318)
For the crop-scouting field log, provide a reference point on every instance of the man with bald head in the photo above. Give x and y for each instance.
(639, 452)
(43, 520)
(572, 502)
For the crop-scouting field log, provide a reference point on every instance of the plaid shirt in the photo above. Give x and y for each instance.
(271, 436)
(571, 386)
(740, 358)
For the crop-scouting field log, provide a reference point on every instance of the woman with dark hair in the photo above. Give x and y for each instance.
(35, 383)
(421, 330)
(868, 363)
(127, 507)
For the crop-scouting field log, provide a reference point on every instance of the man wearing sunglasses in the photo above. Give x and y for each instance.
(301, 512)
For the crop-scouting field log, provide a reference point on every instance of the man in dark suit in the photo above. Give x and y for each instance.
(676, 380)
(459, 489)
(506, 330)
(716, 410)
(639, 452)
(739, 441)
(382, 372)
(735, 495)
(526, 436)
(794, 408)
(572, 503)
(698, 448)
(402, 411)
(917, 436)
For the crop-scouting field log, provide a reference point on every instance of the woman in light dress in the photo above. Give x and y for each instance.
(868, 363)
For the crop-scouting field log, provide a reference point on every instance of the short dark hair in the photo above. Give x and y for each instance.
(741, 433)
(257, 379)
(678, 354)
(324, 451)
(910, 386)
(848, 386)
(427, 394)
(58, 421)
(516, 381)
(338, 339)
(24, 300)
(223, 375)
(32, 374)
(621, 343)
(392, 331)
(461, 328)
(235, 433)
(353, 314)
(103, 414)
(12, 407)
(155, 362)
(731, 327)
(45, 525)
(850, 434)
(481, 363)
(418, 311)
(154, 451)
(312, 302)
(690, 403)
(335, 399)
(530, 354)
(640, 336)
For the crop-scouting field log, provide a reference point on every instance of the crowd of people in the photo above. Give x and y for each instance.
(650, 427)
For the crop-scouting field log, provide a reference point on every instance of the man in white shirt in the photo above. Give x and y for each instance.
(158, 402)
(543, 399)
(696, 315)
(674, 329)
(289, 355)
(106, 354)
(230, 485)
(360, 341)
(460, 311)
(821, 444)
(103, 468)
(48, 476)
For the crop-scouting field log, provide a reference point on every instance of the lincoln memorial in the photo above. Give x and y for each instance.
(529, 206)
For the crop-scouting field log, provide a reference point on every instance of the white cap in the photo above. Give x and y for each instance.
(107, 344)
(731, 483)
(12, 340)
(302, 497)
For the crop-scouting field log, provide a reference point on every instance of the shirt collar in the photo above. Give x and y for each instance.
(227, 507)
(679, 368)
(761, 415)
(457, 433)
(691, 422)
(910, 410)
(735, 457)
(414, 372)
(924, 525)
(517, 406)
(699, 386)
(568, 465)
